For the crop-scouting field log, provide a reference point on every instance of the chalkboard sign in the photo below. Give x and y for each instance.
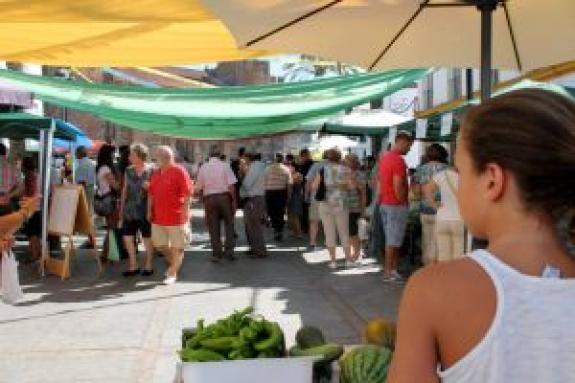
(69, 212)
(68, 215)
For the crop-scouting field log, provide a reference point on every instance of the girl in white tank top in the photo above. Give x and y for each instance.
(506, 314)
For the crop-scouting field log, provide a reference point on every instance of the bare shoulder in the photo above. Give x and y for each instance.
(448, 284)
(458, 301)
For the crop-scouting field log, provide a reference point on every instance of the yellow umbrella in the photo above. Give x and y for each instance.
(114, 33)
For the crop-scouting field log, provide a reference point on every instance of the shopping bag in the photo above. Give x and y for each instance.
(113, 249)
(363, 229)
(11, 290)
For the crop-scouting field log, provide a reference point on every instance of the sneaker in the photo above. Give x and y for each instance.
(169, 280)
(396, 275)
(350, 264)
(332, 265)
(390, 278)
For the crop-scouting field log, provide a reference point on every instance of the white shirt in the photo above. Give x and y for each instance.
(215, 177)
(448, 181)
(86, 171)
(532, 336)
(103, 184)
(253, 183)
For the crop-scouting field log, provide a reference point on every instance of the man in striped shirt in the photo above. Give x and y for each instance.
(278, 183)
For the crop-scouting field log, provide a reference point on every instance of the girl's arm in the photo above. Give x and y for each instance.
(415, 356)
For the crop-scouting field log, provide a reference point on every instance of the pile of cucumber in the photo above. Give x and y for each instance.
(310, 341)
(239, 336)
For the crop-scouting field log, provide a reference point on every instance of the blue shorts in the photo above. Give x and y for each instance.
(394, 223)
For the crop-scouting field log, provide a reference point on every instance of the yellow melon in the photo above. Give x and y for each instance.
(380, 332)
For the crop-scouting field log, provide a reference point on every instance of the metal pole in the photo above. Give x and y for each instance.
(469, 83)
(487, 7)
(41, 162)
(467, 239)
(46, 150)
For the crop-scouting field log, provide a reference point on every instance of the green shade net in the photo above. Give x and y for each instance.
(217, 113)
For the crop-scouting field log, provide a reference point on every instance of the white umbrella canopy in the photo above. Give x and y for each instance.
(378, 34)
(330, 142)
(370, 118)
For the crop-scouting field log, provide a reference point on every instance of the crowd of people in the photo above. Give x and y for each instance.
(141, 200)
(148, 201)
(359, 206)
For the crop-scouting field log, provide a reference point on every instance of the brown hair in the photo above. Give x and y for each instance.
(436, 152)
(530, 133)
(333, 155)
(140, 150)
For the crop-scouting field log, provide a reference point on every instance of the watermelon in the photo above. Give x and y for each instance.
(365, 364)
(308, 337)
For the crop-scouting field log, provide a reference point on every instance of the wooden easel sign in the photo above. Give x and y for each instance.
(68, 215)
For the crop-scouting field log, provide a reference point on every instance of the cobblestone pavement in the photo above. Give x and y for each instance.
(106, 328)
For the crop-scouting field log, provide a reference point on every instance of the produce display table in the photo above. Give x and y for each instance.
(277, 370)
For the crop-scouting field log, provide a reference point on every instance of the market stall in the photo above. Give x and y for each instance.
(22, 126)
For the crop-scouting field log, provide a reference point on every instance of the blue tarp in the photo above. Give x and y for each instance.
(81, 138)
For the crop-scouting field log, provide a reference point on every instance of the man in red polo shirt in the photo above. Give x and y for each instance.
(393, 202)
(169, 210)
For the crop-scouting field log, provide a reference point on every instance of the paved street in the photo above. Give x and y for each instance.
(110, 329)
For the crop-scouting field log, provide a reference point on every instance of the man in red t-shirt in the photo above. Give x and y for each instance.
(393, 202)
(169, 210)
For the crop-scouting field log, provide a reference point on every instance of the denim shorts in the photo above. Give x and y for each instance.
(394, 223)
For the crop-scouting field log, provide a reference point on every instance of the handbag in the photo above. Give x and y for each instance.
(106, 204)
(321, 189)
(363, 229)
(11, 290)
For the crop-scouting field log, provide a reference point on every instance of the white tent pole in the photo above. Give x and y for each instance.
(42, 162)
(46, 150)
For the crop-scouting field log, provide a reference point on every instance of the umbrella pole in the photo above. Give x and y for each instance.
(487, 7)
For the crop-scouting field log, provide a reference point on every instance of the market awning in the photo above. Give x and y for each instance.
(24, 125)
(444, 126)
(114, 33)
(217, 113)
(80, 138)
